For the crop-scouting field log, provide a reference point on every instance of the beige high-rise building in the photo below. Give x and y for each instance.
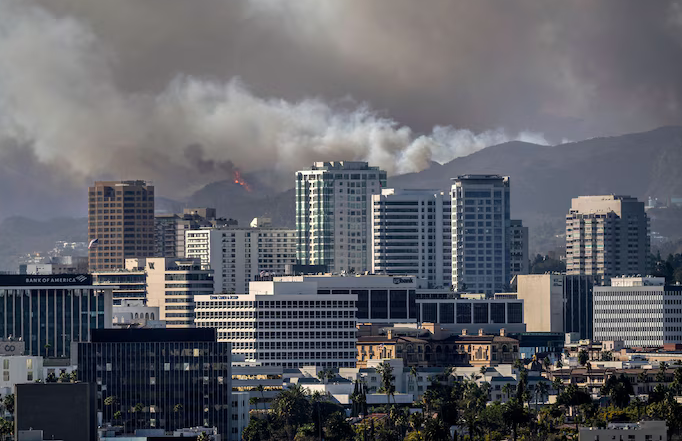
(607, 236)
(121, 221)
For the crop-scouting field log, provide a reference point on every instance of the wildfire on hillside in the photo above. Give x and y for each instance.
(239, 180)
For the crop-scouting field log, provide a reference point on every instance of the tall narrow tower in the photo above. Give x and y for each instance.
(120, 223)
(480, 223)
(333, 214)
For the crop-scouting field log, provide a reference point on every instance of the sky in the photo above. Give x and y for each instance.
(184, 93)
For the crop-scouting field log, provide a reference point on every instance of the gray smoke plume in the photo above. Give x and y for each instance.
(183, 93)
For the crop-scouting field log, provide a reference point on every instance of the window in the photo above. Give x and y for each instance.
(29, 376)
(5, 364)
(29, 364)
(5, 376)
(463, 312)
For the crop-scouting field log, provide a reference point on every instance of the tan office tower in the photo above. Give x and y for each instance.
(607, 236)
(120, 222)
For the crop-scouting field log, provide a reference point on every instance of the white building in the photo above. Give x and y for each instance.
(642, 431)
(284, 324)
(136, 313)
(238, 255)
(19, 369)
(640, 311)
(334, 214)
(412, 234)
(480, 220)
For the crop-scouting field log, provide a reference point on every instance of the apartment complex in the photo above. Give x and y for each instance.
(557, 303)
(412, 235)
(334, 214)
(121, 222)
(607, 236)
(480, 244)
(639, 311)
(284, 323)
(238, 255)
(170, 229)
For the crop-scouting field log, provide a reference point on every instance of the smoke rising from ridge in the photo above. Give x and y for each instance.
(184, 93)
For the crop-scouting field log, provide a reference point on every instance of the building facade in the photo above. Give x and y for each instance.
(607, 236)
(285, 324)
(238, 255)
(18, 369)
(334, 214)
(557, 303)
(159, 378)
(519, 259)
(469, 313)
(411, 234)
(121, 220)
(480, 245)
(170, 229)
(49, 313)
(639, 311)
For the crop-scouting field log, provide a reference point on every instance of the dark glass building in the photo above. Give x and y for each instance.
(578, 312)
(50, 312)
(159, 378)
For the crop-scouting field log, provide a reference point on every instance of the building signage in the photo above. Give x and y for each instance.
(12, 347)
(224, 297)
(45, 280)
(401, 280)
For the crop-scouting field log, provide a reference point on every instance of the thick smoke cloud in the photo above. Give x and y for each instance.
(183, 93)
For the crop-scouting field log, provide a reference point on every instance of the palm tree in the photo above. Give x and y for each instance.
(202, 437)
(583, 357)
(558, 385)
(387, 379)
(139, 407)
(546, 364)
(507, 389)
(483, 370)
(559, 364)
(261, 389)
(413, 374)
(111, 401)
(541, 391)
(660, 376)
(416, 421)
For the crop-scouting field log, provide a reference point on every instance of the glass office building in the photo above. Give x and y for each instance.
(50, 312)
(159, 378)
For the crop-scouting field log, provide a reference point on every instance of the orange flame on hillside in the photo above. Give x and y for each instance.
(239, 180)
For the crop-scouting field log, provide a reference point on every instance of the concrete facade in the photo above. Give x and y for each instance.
(412, 235)
(238, 255)
(607, 236)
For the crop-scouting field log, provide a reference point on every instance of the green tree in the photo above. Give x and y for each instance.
(559, 364)
(619, 390)
(385, 370)
(8, 403)
(508, 390)
(202, 437)
(516, 415)
(51, 378)
(435, 430)
(261, 389)
(573, 397)
(660, 375)
(541, 392)
(258, 429)
(606, 356)
(546, 364)
(583, 357)
(64, 378)
(74, 375)
(292, 408)
(111, 402)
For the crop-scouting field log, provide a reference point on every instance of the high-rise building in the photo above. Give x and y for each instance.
(284, 323)
(49, 313)
(607, 236)
(170, 229)
(237, 255)
(412, 234)
(121, 222)
(519, 259)
(334, 214)
(557, 303)
(480, 222)
(639, 311)
(179, 377)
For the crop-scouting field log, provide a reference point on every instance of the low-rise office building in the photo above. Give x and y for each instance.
(284, 323)
(50, 312)
(159, 378)
(557, 303)
(640, 311)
